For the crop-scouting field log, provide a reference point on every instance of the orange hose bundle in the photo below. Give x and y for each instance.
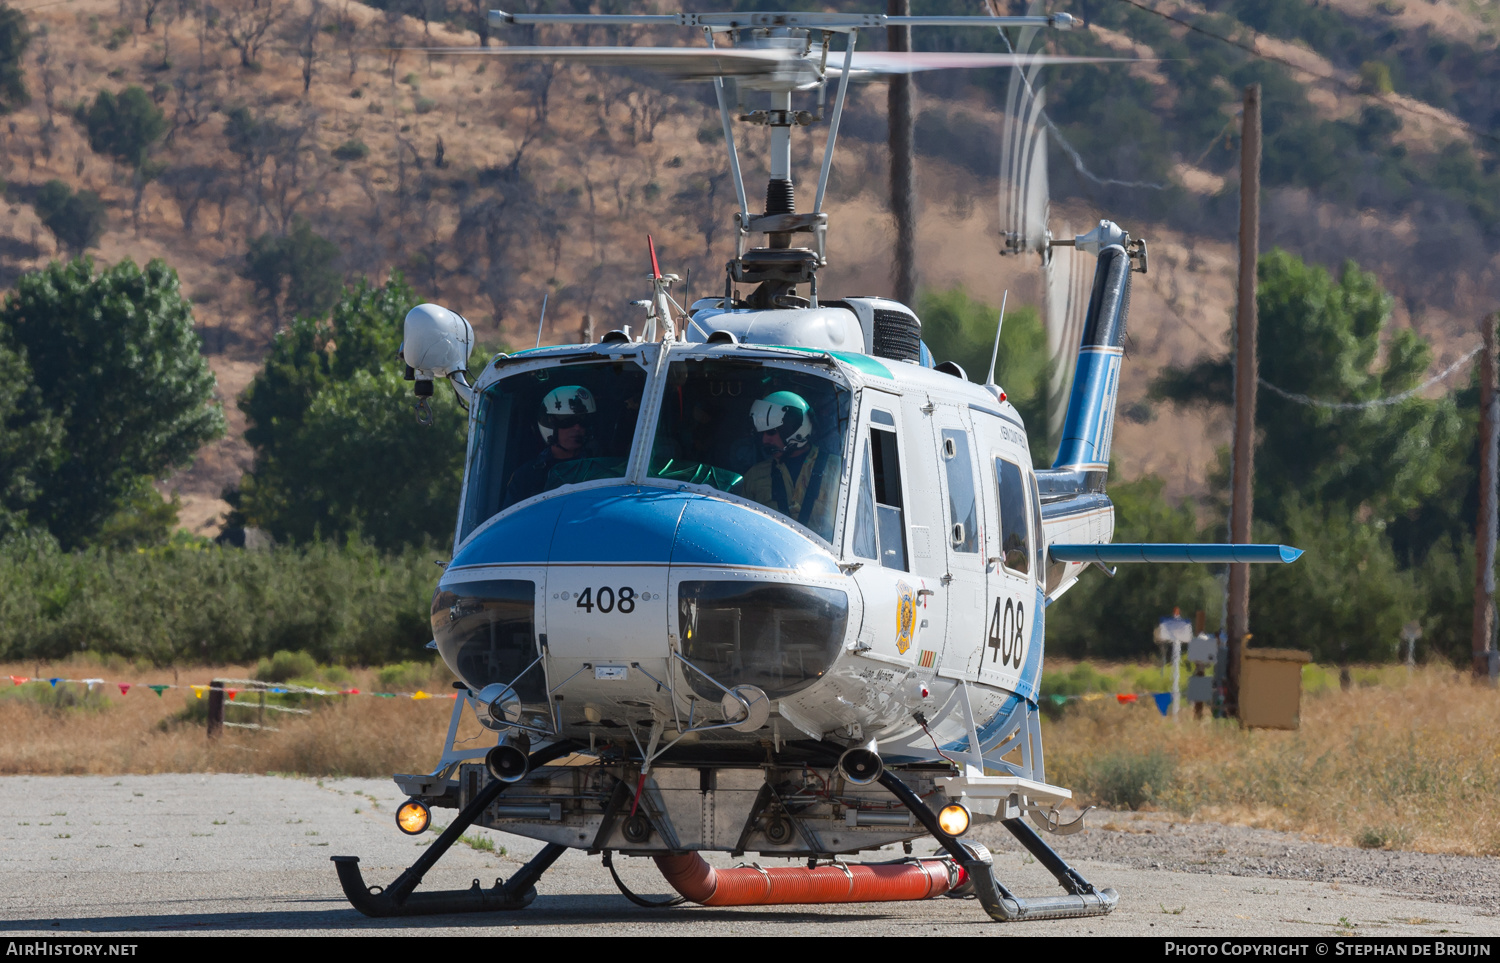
(695, 879)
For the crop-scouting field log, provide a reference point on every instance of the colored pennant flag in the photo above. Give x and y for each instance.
(232, 693)
(92, 682)
(198, 690)
(19, 679)
(1163, 701)
(1058, 700)
(384, 695)
(419, 694)
(349, 692)
(55, 682)
(124, 687)
(1125, 697)
(158, 689)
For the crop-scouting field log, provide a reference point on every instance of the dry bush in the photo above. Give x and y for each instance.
(108, 733)
(1402, 761)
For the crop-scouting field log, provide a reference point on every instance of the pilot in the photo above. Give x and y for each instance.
(565, 418)
(798, 479)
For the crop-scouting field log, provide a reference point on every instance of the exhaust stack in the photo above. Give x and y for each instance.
(509, 761)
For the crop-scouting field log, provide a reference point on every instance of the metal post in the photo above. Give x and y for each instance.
(1485, 532)
(216, 708)
(1176, 677)
(903, 166)
(1245, 371)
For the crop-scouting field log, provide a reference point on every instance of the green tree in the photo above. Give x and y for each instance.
(1345, 600)
(30, 441)
(337, 447)
(14, 39)
(959, 328)
(124, 127)
(115, 357)
(76, 220)
(1329, 340)
(360, 464)
(295, 272)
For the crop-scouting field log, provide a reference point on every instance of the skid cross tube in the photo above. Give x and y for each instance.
(398, 899)
(1000, 903)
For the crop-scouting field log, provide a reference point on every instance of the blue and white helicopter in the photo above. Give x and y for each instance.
(764, 578)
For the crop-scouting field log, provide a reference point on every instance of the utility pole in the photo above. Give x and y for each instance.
(903, 162)
(1246, 369)
(1485, 662)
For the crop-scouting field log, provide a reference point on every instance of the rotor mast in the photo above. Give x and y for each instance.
(801, 64)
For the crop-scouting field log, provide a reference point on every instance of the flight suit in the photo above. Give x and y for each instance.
(818, 478)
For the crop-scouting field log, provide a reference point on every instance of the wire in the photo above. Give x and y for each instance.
(1432, 113)
(935, 743)
(1376, 402)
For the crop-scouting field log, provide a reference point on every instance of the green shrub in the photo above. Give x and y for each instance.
(63, 697)
(351, 150)
(405, 676)
(425, 105)
(1129, 780)
(285, 666)
(184, 605)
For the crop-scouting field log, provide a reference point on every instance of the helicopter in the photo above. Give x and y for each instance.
(764, 576)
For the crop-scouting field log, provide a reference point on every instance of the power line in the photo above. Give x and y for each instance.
(1375, 402)
(1404, 108)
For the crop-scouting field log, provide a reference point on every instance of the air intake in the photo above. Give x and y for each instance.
(897, 336)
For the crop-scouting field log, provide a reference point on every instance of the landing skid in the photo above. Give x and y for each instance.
(401, 899)
(1083, 898)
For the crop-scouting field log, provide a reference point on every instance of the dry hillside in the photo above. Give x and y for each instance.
(489, 186)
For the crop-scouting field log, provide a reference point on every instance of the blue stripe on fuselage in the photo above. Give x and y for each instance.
(652, 526)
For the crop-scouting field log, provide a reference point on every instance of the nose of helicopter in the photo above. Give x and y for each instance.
(635, 527)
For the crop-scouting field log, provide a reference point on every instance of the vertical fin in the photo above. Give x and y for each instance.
(1089, 426)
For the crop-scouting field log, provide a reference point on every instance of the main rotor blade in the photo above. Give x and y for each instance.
(904, 62)
(686, 62)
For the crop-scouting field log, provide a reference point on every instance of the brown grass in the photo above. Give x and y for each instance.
(139, 732)
(1400, 761)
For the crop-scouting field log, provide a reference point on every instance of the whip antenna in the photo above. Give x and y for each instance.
(542, 320)
(990, 380)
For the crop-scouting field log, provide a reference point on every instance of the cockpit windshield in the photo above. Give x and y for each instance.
(772, 434)
(559, 425)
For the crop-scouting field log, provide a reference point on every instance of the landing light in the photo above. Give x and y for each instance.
(413, 818)
(954, 819)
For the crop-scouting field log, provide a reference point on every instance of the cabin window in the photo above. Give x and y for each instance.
(559, 425)
(772, 434)
(865, 545)
(1015, 551)
(963, 509)
(890, 523)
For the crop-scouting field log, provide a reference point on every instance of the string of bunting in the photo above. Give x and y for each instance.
(237, 687)
(1162, 700)
(232, 688)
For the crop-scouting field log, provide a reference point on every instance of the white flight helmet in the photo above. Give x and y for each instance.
(563, 406)
(784, 412)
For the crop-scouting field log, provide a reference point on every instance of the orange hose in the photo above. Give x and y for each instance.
(692, 877)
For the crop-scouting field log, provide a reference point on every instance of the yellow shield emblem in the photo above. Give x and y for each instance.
(906, 616)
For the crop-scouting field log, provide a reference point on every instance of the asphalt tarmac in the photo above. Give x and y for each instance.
(221, 855)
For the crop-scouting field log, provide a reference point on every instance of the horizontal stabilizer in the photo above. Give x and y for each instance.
(1118, 553)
